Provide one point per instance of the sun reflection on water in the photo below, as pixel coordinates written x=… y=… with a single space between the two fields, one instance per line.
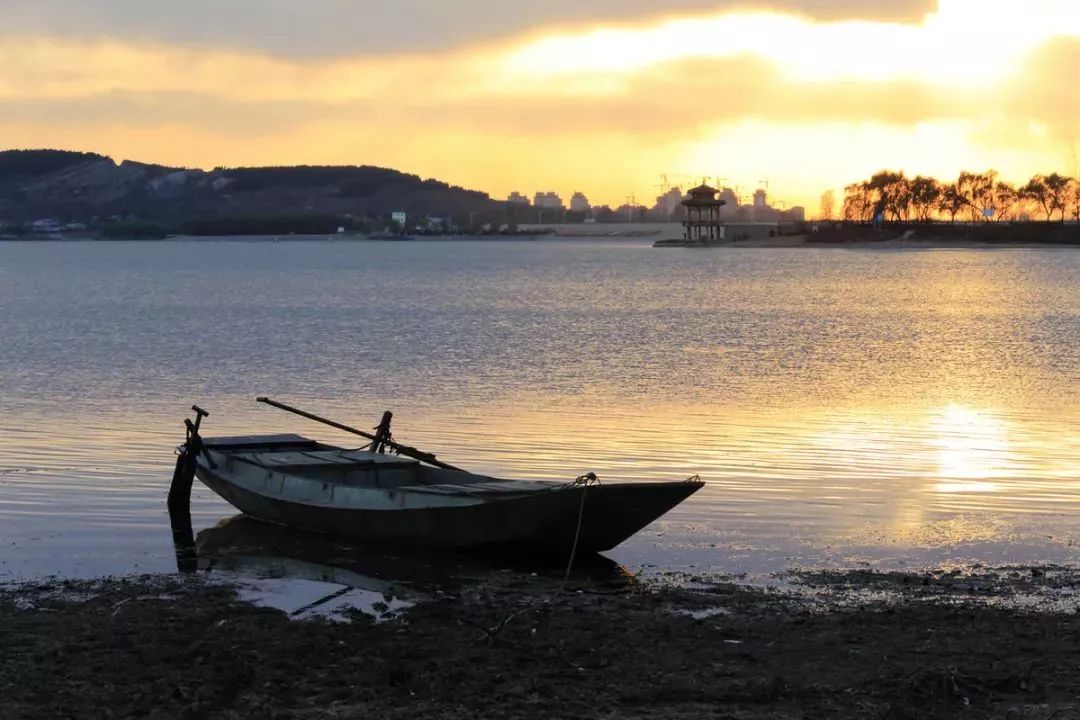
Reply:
x=971 y=445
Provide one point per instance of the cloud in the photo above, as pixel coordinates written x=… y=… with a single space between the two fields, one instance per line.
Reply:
x=1046 y=90
x=322 y=28
x=603 y=109
x=694 y=93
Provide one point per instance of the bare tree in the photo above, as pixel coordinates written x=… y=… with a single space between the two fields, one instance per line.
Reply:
x=828 y=204
x=952 y=201
x=891 y=192
x=1005 y=200
x=925 y=196
x=1058 y=188
x=1037 y=192
x=1074 y=197
x=977 y=195
x=858 y=202
x=977 y=189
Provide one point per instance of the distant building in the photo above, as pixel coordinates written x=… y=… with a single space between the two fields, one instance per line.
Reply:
x=47 y=225
x=579 y=203
x=760 y=199
x=731 y=204
x=795 y=214
x=668 y=203
x=517 y=198
x=548 y=200
x=400 y=218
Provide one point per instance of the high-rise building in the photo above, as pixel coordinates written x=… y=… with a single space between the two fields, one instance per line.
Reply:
x=579 y=203
x=795 y=214
x=548 y=200
x=517 y=199
x=731 y=204
x=668 y=203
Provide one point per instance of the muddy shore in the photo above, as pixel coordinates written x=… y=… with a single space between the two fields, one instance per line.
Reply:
x=525 y=645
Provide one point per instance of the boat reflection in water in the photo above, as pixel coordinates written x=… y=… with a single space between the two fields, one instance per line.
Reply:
x=251 y=548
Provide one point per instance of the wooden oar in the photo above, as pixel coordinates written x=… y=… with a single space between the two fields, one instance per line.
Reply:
x=397 y=447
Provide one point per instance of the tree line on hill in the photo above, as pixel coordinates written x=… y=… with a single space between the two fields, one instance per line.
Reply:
x=92 y=190
x=29 y=163
x=976 y=197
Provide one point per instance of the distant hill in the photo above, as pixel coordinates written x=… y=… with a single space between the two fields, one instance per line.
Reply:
x=21 y=164
x=90 y=188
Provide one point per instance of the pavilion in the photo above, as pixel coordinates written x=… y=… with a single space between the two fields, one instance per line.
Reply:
x=702 y=222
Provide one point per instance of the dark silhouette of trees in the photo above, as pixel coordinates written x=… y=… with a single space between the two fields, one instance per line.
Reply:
x=893 y=194
x=977 y=190
x=1005 y=200
x=925 y=196
x=858 y=205
x=887 y=193
x=1037 y=192
x=952 y=201
x=27 y=163
x=974 y=195
x=1058 y=188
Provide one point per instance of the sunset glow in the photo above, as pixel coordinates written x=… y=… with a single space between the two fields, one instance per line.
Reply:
x=948 y=48
x=603 y=107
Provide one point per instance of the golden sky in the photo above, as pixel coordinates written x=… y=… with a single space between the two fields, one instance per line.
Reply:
x=592 y=95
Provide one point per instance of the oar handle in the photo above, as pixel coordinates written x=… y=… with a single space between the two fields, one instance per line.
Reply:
x=316 y=418
x=401 y=449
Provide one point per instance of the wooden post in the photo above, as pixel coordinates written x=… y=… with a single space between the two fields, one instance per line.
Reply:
x=382 y=433
x=179 y=502
x=180 y=509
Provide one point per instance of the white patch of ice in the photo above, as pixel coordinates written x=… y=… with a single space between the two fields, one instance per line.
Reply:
x=22 y=603
x=309 y=599
x=370 y=603
x=286 y=594
x=706 y=613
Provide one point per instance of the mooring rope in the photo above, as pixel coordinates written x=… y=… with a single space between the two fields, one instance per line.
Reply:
x=584 y=482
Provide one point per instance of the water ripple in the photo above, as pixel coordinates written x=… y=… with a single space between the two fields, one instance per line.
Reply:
x=842 y=406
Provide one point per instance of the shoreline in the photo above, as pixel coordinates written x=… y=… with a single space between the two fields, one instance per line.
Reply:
x=529 y=646
x=784 y=241
x=895 y=244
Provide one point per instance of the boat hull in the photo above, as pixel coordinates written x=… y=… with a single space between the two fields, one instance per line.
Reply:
x=546 y=521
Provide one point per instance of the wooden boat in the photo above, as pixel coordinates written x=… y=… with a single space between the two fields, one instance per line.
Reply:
x=373 y=496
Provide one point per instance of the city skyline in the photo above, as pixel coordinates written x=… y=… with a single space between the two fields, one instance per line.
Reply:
x=738 y=206
x=598 y=96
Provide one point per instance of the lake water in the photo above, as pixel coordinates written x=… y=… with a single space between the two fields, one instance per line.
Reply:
x=845 y=406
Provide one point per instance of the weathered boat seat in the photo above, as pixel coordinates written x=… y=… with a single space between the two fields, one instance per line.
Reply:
x=261 y=442
x=326 y=458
